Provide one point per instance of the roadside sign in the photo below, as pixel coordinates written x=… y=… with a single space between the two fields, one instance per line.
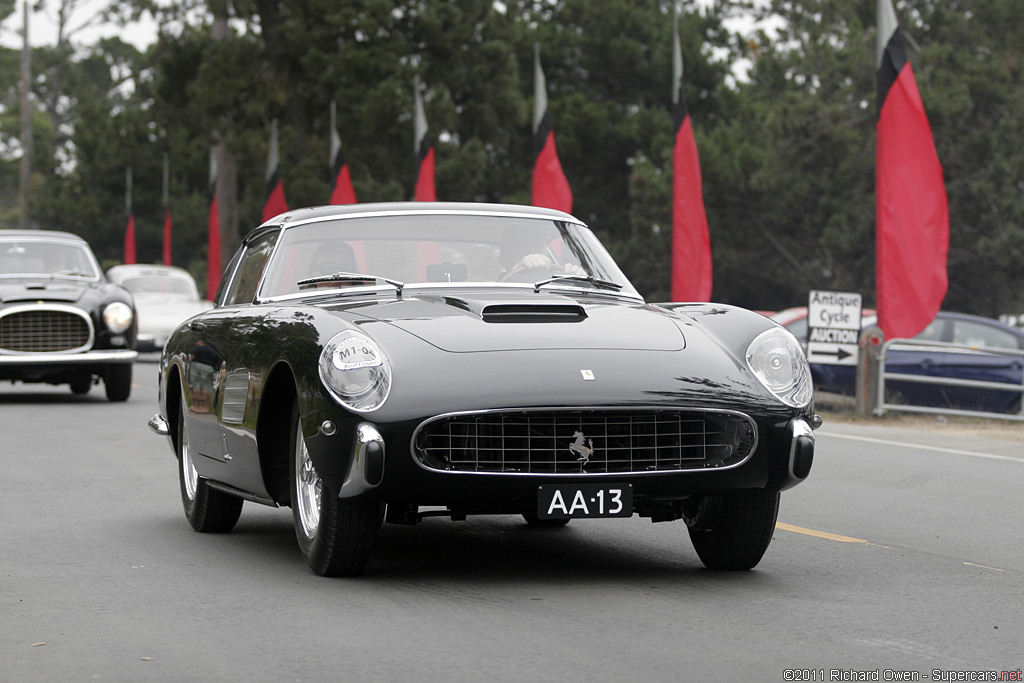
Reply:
x=833 y=327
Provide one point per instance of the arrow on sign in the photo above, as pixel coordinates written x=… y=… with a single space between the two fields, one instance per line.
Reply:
x=840 y=353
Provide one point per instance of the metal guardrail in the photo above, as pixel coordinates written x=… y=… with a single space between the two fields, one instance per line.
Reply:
x=881 y=406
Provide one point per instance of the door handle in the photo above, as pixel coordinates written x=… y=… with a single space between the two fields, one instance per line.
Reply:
x=196 y=326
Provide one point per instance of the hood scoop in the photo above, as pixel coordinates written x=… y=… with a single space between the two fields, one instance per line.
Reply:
x=533 y=313
x=521 y=311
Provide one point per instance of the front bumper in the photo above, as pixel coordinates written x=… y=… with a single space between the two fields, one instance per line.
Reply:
x=95 y=357
x=385 y=465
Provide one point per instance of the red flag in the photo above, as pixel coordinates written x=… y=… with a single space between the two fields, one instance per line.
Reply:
x=911 y=209
x=550 y=187
x=129 y=241
x=275 y=203
x=342 y=191
x=167 y=216
x=691 y=244
x=213 y=235
x=424 y=189
x=129 y=233
x=167 y=236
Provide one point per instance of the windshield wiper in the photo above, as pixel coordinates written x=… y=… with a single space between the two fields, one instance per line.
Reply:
x=70 y=273
x=600 y=284
x=350 y=277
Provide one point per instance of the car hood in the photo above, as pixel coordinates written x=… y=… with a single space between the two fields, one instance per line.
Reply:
x=41 y=289
x=512 y=322
x=484 y=350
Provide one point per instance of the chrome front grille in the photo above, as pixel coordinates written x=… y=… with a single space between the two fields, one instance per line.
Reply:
x=584 y=441
x=44 y=330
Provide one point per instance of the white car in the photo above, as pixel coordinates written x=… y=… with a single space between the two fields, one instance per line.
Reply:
x=164 y=297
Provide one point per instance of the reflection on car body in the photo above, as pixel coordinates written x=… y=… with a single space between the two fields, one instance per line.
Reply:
x=414 y=373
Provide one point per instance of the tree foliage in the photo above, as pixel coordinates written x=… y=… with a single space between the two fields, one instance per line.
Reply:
x=787 y=153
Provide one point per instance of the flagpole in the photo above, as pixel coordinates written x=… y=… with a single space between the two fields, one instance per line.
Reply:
x=166 y=196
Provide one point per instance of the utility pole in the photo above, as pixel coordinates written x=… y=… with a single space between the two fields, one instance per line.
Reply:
x=26 y=126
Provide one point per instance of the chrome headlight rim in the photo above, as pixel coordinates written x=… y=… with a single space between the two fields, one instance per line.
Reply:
x=118 y=317
x=355 y=371
x=778 y=361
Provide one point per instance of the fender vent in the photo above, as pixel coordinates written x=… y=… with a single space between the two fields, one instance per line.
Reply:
x=533 y=313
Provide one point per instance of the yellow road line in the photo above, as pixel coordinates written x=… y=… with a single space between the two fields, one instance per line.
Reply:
x=819 y=534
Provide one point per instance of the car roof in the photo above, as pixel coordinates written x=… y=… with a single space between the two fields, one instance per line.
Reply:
x=315 y=213
x=150 y=269
x=41 y=234
x=953 y=315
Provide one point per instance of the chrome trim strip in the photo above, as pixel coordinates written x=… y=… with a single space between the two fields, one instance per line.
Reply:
x=59 y=308
x=88 y=358
x=734 y=413
x=488 y=213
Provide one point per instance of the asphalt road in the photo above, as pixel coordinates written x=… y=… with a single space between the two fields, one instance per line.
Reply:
x=903 y=552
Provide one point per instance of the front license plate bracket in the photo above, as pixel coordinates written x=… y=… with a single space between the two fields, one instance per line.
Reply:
x=561 y=501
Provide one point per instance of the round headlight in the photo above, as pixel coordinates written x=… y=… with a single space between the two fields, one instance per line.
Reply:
x=778 y=361
x=117 y=317
x=356 y=371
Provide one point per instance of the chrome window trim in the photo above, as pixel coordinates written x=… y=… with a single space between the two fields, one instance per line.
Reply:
x=562 y=475
x=434 y=212
x=287 y=225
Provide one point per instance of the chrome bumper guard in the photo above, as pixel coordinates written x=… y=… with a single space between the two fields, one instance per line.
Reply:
x=367 y=468
x=800 y=453
x=159 y=425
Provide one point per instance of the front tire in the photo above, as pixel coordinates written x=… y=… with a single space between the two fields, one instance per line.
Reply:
x=118 y=382
x=206 y=509
x=733 y=530
x=336 y=536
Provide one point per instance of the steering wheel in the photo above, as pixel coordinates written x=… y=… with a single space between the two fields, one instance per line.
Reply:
x=520 y=269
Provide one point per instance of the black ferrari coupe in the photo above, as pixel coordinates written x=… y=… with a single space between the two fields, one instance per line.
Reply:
x=377 y=363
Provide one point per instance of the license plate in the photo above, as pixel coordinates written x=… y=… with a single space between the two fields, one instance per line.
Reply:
x=558 y=501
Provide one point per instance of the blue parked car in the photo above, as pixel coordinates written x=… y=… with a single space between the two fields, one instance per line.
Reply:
x=973 y=363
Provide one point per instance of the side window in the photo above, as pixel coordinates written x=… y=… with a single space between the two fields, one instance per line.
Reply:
x=242 y=289
x=975 y=334
x=933 y=332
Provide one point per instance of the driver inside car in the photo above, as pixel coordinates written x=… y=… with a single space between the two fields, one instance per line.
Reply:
x=331 y=258
x=523 y=251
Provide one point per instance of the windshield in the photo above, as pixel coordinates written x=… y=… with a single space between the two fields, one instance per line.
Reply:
x=425 y=249
x=43 y=257
x=160 y=285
